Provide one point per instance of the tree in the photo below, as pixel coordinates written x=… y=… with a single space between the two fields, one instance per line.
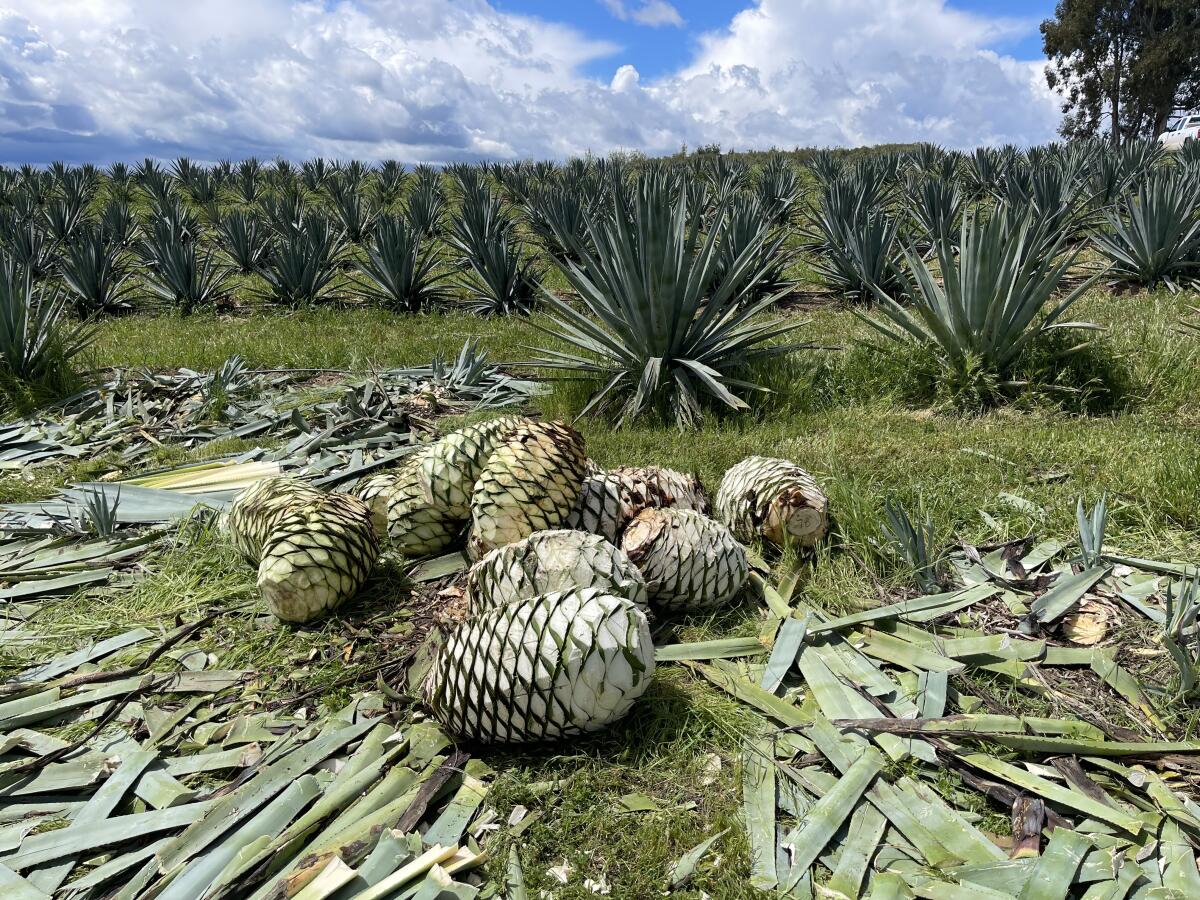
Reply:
x=1132 y=63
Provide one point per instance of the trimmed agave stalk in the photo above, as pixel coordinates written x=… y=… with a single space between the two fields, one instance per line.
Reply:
x=317 y=557
x=530 y=483
x=608 y=501
x=449 y=470
x=254 y=512
x=549 y=561
x=541 y=668
x=415 y=526
x=690 y=562
x=773 y=499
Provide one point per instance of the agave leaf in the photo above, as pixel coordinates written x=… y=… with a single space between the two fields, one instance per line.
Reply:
x=783 y=654
x=759 y=801
x=71 y=661
x=732 y=683
x=684 y=868
x=514 y=880
x=827 y=814
x=1053 y=792
x=719 y=648
x=1065 y=594
x=917 y=609
x=1054 y=873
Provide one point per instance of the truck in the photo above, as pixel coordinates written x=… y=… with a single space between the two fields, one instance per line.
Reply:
x=1180 y=130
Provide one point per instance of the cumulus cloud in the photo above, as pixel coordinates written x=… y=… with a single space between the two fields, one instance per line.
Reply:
x=654 y=13
x=441 y=81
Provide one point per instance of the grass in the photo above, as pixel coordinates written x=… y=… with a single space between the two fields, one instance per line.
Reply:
x=865 y=423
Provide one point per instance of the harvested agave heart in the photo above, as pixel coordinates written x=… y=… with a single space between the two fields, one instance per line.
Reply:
x=608 y=501
x=373 y=491
x=255 y=511
x=529 y=484
x=415 y=526
x=541 y=668
x=317 y=557
x=773 y=499
x=552 y=561
x=449 y=470
x=690 y=562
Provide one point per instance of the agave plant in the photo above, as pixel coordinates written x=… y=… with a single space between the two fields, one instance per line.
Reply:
x=935 y=206
x=1180 y=633
x=743 y=224
x=244 y=239
x=64 y=218
x=356 y=217
x=915 y=542
x=117 y=223
x=176 y=217
x=246 y=180
x=557 y=215
x=983 y=171
x=1091 y=531
x=388 y=182
x=28 y=247
x=1154 y=237
x=854 y=244
x=401 y=268
x=655 y=335
x=778 y=190
x=181 y=274
x=97 y=275
x=202 y=186
x=425 y=208
x=314 y=173
x=499 y=277
x=37 y=337
x=301 y=267
x=990 y=303
x=284 y=213
x=158 y=185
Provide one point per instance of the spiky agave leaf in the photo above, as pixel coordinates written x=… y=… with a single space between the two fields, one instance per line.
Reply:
x=773 y=499
x=542 y=668
x=317 y=557
x=453 y=464
x=255 y=511
x=988 y=305
x=37 y=337
x=529 y=484
x=556 y=560
x=652 y=332
x=1154 y=237
x=690 y=562
x=416 y=526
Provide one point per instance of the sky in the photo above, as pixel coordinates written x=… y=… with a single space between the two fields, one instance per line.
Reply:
x=448 y=80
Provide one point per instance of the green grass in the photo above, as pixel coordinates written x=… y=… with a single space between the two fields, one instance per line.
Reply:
x=865 y=423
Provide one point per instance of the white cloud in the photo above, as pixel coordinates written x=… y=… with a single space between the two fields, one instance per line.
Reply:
x=441 y=81
x=654 y=13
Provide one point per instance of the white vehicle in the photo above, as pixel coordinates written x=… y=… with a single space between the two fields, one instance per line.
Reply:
x=1179 y=130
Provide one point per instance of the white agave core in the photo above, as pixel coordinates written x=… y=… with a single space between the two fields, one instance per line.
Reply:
x=559 y=664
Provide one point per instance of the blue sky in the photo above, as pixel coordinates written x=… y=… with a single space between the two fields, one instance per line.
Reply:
x=446 y=80
x=656 y=51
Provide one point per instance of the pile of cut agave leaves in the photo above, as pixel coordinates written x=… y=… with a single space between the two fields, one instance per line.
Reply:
x=133 y=767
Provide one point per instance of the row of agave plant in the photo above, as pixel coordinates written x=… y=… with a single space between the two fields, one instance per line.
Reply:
x=407 y=241
x=673 y=261
x=1137 y=207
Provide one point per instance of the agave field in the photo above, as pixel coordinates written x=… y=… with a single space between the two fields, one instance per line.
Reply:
x=819 y=524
